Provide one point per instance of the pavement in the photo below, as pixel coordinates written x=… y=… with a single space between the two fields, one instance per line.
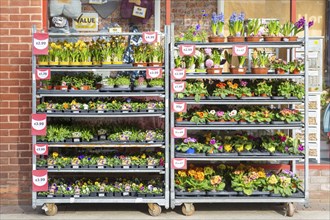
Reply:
x=140 y=211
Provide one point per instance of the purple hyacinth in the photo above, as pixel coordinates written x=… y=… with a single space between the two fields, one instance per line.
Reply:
x=301 y=147
x=221 y=17
x=310 y=24
x=204 y=14
x=212 y=141
x=209 y=63
x=215 y=18
x=300 y=23
x=243 y=83
x=233 y=18
x=241 y=17
x=208 y=51
x=198 y=27
x=81 y=157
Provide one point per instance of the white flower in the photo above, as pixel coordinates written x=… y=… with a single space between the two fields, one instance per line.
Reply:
x=232 y=113
x=212 y=112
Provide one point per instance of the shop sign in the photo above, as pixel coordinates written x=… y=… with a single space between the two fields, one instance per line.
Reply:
x=40 y=149
x=40 y=44
x=179 y=163
x=149 y=37
x=179 y=107
x=39 y=124
x=42 y=74
x=178 y=87
x=153 y=73
x=179 y=132
x=39 y=180
x=179 y=74
x=86 y=22
x=187 y=50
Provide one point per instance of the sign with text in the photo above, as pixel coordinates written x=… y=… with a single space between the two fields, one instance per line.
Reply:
x=39 y=180
x=115 y=30
x=187 y=50
x=86 y=22
x=240 y=50
x=178 y=74
x=42 y=74
x=149 y=37
x=139 y=11
x=179 y=132
x=153 y=73
x=40 y=44
x=40 y=149
x=97 y=2
x=178 y=87
x=179 y=107
x=179 y=163
x=39 y=124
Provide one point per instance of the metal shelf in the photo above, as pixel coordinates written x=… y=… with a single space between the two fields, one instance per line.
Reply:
x=243 y=76
x=59 y=93
x=251 y=45
x=105 y=115
x=96 y=170
x=240 y=102
x=102 y=144
x=92 y=34
x=95 y=68
x=239 y=127
x=160 y=201
x=245 y=158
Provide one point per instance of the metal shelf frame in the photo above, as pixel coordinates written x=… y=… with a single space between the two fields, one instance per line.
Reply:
x=176 y=201
x=160 y=171
x=163 y=201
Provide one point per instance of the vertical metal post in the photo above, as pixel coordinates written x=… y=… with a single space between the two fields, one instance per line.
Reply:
x=306 y=127
x=157 y=15
x=172 y=144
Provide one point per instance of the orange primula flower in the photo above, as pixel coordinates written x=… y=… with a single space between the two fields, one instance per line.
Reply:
x=216 y=180
x=200 y=176
x=221 y=85
x=192 y=172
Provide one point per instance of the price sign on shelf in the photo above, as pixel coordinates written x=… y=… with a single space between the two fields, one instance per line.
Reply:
x=178 y=86
x=40 y=43
x=39 y=180
x=153 y=73
x=240 y=50
x=149 y=37
x=179 y=132
x=179 y=163
x=187 y=50
x=42 y=74
x=38 y=124
x=179 y=107
x=40 y=149
x=178 y=74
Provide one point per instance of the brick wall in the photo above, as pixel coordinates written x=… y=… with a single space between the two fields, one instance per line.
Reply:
x=16 y=20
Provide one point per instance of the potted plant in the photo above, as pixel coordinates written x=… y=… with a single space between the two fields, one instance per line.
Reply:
x=199 y=117
x=280 y=66
x=296 y=66
x=236 y=28
x=140 y=83
x=287 y=30
x=285 y=89
x=43 y=60
x=156 y=54
x=260 y=61
x=189 y=63
x=85 y=54
x=96 y=50
x=65 y=53
x=199 y=61
x=108 y=82
x=298 y=90
x=253 y=30
x=217 y=26
x=263 y=89
x=119 y=45
x=243 y=90
x=123 y=82
x=156 y=83
x=140 y=55
x=213 y=62
x=274 y=28
x=298 y=27
x=75 y=53
x=106 y=52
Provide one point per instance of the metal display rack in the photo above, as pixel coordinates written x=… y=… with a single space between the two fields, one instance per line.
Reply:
x=187 y=201
x=154 y=203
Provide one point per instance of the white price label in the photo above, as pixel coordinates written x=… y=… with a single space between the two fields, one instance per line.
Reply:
x=153 y=73
x=187 y=50
x=178 y=86
x=240 y=50
x=40 y=180
x=179 y=74
x=39 y=125
x=179 y=107
x=179 y=132
x=41 y=149
x=149 y=37
x=179 y=163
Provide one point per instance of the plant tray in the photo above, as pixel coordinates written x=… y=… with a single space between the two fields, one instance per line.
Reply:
x=83 y=91
x=255 y=98
x=229 y=97
x=279 y=154
x=292 y=98
x=222 y=123
x=294 y=123
x=190 y=194
x=187 y=123
x=177 y=154
x=232 y=154
x=214 y=97
x=125 y=65
x=278 y=97
x=148 y=89
x=253 y=153
x=277 y=122
x=243 y=122
x=192 y=98
x=255 y=193
x=115 y=90
x=222 y=193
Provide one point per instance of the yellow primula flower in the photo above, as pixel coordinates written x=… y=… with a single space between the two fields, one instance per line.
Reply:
x=101 y=157
x=143 y=156
x=55 y=154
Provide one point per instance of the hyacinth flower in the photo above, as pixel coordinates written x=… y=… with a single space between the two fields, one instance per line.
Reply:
x=299 y=26
x=236 y=24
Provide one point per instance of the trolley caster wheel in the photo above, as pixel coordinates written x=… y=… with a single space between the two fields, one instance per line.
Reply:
x=289 y=209
x=154 y=209
x=188 y=209
x=50 y=209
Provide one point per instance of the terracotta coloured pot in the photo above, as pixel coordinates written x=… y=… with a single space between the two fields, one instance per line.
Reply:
x=234 y=70
x=216 y=39
x=279 y=71
x=253 y=38
x=140 y=64
x=272 y=38
x=259 y=70
x=290 y=38
x=236 y=39
x=214 y=70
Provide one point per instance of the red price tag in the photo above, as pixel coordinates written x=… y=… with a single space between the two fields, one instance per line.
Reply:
x=42 y=74
x=40 y=43
x=153 y=73
x=240 y=50
x=149 y=37
x=39 y=180
x=179 y=74
x=179 y=107
x=179 y=132
x=40 y=149
x=39 y=124
x=179 y=163
x=187 y=50
x=178 y=87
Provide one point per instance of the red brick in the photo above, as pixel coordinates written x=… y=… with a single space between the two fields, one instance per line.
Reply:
x=19 y=161
x=4 y=161
x=25 y=104
x=3 y=47
x=20 y=31
x=25 y=125
x=25 y=83
x=26 y=53
x=4 y=76
x=4 y=61
x=20 y=90
x=8 y=83
x=19 y=132
x=11 y=125
x=8 y=154
x=25 y=140
x=4 y=104
x=9 y=96
x=4 y=31
x=9 y=54
x=26 y=39
x=18 y=118
x=19 y=147
x=29 y=24
x=4 y=17
x=36 y=3
x=20 y=17
x=20 y=3
x=3 y=175
x=26 y=68
x=36 y=18
x=9 y=10
x=8 y=25
x=3 y=118
x=9 y=68
x=20 y=61
x=4 y=133
x=9 y=39
x=30 y=10
x=25 y=97
x=20 y=47
x=20 y=75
